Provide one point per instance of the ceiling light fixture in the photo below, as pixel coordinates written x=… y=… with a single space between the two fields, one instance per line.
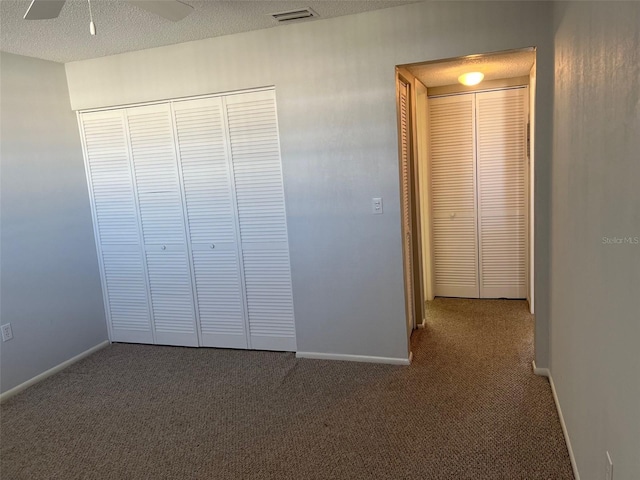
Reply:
x=471 y=78
x=92 y=26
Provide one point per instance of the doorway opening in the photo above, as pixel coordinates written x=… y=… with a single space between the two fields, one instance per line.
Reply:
x=467 y=169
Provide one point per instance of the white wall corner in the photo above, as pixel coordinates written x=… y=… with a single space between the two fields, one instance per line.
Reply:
x=52 y=371
x=543 y=372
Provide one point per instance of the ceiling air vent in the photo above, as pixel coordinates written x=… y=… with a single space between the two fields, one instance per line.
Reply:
x=294 y=15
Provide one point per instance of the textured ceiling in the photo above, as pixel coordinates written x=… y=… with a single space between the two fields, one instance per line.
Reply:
x=494 y=66
x=122 y=27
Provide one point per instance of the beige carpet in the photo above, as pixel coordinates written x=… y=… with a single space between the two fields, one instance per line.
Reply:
x=468 y=408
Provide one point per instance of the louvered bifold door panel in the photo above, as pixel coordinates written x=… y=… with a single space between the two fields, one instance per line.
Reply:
x=453 y=196
x=120 y=248
x=255 y=151
x=406 y=202
x=157 y=183
x=212 y=227
x=501 y=146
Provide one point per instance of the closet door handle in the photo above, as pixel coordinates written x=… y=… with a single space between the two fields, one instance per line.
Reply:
x=212 y=246
x=163 y=247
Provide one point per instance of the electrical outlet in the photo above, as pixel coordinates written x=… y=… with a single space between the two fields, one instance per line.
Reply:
x=609 y=468
x=7 y=334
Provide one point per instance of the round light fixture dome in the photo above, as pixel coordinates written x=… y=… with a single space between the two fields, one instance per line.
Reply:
x=471 y=78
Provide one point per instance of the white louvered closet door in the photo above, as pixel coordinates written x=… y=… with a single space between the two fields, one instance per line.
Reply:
x=501 y=150
x=255 y=152
x=212 y=226
x=405 y=169
x=151 y=139
x=453 y=196
x=120 y=249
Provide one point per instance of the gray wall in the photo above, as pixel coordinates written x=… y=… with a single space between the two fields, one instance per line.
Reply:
x=595 y=301
x=335 y=89
x=50 y=284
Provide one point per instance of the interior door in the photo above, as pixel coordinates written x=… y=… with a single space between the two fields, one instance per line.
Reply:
x=213 y=230
x=257 y=174
x=159 y=196
x=118 y=237
x=406 y=192
x=453 y=196
x=502 y=164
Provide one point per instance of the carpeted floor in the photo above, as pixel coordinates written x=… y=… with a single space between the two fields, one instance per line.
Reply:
x=468 y=407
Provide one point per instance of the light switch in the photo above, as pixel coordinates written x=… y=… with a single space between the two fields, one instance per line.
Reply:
x=376 y=205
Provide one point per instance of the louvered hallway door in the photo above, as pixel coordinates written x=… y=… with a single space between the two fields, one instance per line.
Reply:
x=116 y=225
x=453 y=196
x=478 y=188
x=257 y=174
x=501 y=150
x=157 y=183
x=405 y=168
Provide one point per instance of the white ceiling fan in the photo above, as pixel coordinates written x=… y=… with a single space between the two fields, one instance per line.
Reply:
x=170 y=9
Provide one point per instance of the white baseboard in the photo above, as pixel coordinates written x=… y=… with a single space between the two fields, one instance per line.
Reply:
x=576 y=474
x=353 y=358
x=38 y=378
x=544 y=372
x=423 y=324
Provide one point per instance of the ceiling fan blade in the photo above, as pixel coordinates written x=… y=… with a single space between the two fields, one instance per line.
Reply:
x=169 y=9
x=43 y=9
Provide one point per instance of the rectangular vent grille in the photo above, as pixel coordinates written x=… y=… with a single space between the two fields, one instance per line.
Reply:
x=294 y=15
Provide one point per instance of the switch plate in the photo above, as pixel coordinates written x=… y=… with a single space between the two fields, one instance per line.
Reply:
x=376 y=205
x=609 y=475
x=7 y=334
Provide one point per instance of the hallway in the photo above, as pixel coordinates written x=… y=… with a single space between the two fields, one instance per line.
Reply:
x=475 y=358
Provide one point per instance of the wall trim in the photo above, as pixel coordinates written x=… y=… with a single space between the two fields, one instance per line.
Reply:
x=574 y=465
x=52 y=371
x=487 y=85
x=177 y=99
x=353 y=358
x=423 y=324
x=544 y=372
